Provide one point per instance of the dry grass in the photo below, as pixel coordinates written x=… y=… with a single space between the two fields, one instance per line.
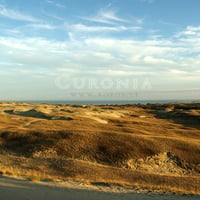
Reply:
x=86 y=150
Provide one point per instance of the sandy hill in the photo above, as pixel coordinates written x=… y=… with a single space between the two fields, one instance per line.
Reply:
x=140 y=146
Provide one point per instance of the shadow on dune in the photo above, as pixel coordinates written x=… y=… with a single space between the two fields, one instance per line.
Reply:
x=35 y=114
x=180 y=114
x=30 y=113
x=185 y=119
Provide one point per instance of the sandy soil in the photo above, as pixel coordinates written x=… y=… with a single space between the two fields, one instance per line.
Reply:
x=154 y=146
x=14 y=189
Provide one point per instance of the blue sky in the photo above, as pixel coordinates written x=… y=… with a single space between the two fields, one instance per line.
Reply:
x=99 y=49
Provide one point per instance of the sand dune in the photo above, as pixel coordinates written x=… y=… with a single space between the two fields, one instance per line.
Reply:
x=29 y=113
x=36 y=114
x=137 y=146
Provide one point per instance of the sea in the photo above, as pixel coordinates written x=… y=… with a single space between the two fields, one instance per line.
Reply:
x=103 y=102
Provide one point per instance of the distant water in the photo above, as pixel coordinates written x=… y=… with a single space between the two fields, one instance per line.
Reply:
x=105 y=102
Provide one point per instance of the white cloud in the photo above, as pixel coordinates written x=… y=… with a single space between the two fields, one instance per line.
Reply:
x=148 y=1
x=140 y=20
x=177 y=72
x=105 y=16
x=104 y=56
x=42 y=26
x=120 y=73
x=51 y=15
x=158 y=61
x=59 y=5
x=16 y=15
x=14 y=44
x=49 y=1
x=167 y=23
x=84 y=28
x=190 y=31
x=55 y=3
x=110 y=15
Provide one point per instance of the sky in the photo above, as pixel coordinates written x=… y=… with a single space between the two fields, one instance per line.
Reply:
x=99 y=49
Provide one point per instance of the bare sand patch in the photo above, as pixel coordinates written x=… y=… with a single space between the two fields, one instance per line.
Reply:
x=163 y=163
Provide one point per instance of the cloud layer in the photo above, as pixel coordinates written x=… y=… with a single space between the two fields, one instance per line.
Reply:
x=101 y=45
x=15 y=15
